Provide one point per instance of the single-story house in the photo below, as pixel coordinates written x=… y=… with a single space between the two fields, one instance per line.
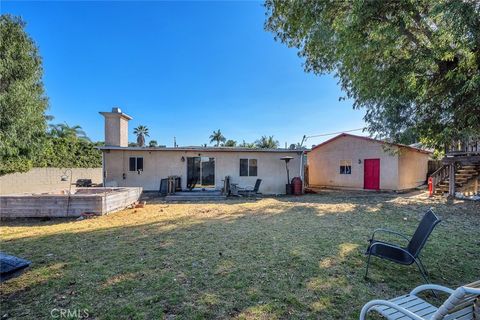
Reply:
x=206 y=166
x=355 y=162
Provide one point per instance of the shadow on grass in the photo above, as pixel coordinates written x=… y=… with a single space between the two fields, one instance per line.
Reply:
x=291 y=258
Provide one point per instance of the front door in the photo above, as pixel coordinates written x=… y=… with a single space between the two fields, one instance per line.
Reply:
x=200 y=172
x=371 y=176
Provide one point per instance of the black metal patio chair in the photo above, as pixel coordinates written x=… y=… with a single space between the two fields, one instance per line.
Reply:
x=404 y=255
x=249 y=191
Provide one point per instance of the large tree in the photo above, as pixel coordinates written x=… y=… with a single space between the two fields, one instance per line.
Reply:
x=413 y=64
x=22 y=98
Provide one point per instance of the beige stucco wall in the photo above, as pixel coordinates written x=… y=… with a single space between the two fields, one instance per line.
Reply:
x=324 y=163
x=116 y=129
x=160 y=164
x=412 y=168
x=40 y=180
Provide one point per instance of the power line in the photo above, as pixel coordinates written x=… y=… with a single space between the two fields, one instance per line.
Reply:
x=305 y=137
x=330 y=134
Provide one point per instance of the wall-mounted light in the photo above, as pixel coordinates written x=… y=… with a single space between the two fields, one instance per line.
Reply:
x=359 y=161
x=182 y=159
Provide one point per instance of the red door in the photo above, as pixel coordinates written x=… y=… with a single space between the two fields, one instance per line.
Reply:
x=371 y=177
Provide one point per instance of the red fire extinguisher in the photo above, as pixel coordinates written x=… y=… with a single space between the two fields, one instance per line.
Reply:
x=430 y=186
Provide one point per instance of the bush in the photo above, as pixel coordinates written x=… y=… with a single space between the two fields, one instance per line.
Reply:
x=69 y=153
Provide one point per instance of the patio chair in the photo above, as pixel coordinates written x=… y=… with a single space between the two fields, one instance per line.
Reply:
x=249 y=191
x=404 y=255
x=462 y=303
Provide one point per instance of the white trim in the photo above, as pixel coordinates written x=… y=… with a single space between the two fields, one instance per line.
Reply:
x=248 y=167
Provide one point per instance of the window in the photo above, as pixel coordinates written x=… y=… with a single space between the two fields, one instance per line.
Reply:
x=243 y=167
x=136 y=164
x=139 y=164
x=345 y=166
x=252 y=167
x=248 y=167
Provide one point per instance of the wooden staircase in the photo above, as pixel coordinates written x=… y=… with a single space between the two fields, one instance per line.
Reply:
x=464 y=174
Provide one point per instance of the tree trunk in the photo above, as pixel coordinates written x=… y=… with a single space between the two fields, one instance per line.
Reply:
x=141 y=140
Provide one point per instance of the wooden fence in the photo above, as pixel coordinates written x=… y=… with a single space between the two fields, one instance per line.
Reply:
x=433 y=165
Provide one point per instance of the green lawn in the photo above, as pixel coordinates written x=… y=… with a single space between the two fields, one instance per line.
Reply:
x=274 y=258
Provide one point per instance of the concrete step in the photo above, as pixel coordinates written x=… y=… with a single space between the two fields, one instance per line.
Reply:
x=196 y=196
x=207 y=193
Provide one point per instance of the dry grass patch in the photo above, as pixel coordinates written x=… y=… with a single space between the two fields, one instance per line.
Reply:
x=274 y=258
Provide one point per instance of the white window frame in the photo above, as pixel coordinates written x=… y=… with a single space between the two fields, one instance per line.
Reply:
x=345 y=163
x=248 y=167
x=136 y=164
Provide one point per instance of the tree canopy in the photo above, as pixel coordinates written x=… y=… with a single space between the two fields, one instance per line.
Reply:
x=266 y=143
x=230 y=143
x=414 y=65
x=63 y=130
x=247 y=144
x=69 y=152
x=22 y=98
x=153 y=143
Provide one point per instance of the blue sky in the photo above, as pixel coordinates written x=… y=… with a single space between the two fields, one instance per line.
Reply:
x=183 y=69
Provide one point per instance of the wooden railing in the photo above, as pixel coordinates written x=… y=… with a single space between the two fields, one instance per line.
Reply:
x=469 y=146
x=438 y=176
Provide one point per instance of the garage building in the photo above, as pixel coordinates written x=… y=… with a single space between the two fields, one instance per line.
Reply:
x=355 y=162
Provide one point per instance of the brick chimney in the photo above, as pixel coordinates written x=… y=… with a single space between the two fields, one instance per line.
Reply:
x=116 y=128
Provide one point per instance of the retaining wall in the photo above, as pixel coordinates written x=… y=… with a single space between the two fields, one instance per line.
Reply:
x=41 y=180
x=92 y=200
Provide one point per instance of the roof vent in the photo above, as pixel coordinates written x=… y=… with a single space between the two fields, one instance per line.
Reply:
x=116 y=110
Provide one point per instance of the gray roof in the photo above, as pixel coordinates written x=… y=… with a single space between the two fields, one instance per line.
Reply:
x=200 y=149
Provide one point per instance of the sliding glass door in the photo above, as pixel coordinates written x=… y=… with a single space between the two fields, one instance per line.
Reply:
x=200 y=172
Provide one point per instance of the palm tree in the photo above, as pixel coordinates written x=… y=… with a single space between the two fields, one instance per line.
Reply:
x=141 y=132
x=63 y=130
x=217 y=137
x=267 y=143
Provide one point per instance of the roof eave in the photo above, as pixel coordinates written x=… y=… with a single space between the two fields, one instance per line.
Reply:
x=372 y=140
x=200 y=149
